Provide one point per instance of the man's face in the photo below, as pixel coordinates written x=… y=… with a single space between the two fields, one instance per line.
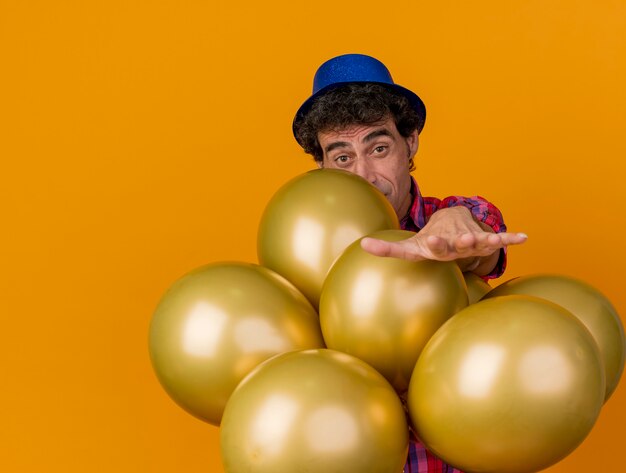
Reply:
x=377 y=153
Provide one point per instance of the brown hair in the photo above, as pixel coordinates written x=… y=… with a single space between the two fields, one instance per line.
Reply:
x=353 y=104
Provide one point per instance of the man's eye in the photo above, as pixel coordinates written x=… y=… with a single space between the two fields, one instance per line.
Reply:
x=342 y=159
x=380 y=149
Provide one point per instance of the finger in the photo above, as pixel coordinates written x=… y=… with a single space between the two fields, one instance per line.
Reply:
x=476 y=244
x=405 y=249
x=509 y=239
x=494 y=240
x=489 y=242
x=375 y=246
x=515 y=238
x=465 y=242
x=438 y=247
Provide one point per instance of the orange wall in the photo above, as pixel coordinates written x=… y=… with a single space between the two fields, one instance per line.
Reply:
x=141 y=139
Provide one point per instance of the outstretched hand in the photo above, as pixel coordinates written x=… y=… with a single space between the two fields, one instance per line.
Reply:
x=450 y=234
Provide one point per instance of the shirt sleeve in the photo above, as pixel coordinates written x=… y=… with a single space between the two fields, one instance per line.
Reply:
x=486 y=212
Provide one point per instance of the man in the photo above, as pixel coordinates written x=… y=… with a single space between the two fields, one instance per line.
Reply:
x=359 y=120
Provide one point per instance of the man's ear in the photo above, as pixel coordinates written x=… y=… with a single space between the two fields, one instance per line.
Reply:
x=413 y=142
x=320 y=164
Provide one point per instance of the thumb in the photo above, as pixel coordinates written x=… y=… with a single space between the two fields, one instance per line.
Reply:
x=405 y=249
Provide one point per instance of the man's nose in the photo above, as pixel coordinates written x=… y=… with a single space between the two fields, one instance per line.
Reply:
x=364 y=169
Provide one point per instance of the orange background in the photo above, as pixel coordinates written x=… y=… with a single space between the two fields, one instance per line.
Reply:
x=141 y=139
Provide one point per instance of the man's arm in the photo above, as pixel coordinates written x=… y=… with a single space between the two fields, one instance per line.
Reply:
x=451 y=234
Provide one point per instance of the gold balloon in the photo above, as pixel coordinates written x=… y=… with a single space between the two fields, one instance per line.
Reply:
x=508 y=385
x=217 y=323
x=312 y=219
x=314 y=411
x=590 y=306
x=384 y=310
x=476 y=287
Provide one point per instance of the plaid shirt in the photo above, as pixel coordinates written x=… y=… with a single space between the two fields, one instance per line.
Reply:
x=421 y=460
x=422 y=209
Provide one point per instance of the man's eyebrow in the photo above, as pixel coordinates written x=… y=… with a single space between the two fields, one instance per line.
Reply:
x=335 y=145
x=371 y=136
